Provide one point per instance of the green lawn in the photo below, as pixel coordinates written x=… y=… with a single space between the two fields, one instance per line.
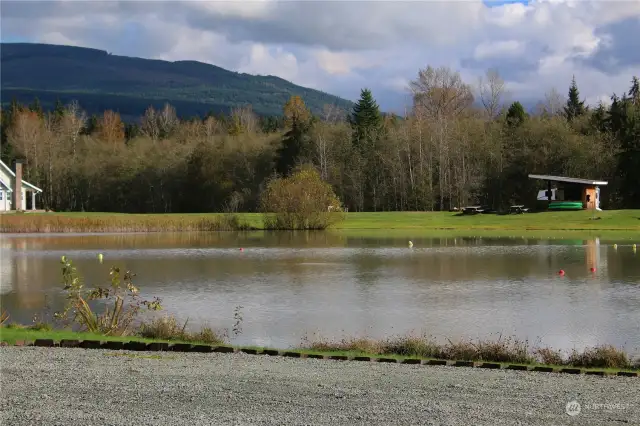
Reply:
x=11 y=335
x=569 y=220
x=612 y=220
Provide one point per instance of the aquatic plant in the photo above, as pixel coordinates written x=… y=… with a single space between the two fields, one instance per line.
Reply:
x=37 y=223
x=500 y=350
x=121 y=302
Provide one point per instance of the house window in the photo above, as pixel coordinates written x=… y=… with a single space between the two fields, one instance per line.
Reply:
x=1 y=195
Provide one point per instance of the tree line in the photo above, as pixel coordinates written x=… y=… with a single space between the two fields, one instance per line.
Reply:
x=445 y=152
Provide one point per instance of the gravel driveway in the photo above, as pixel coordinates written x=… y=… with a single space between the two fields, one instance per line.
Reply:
x=43 y=386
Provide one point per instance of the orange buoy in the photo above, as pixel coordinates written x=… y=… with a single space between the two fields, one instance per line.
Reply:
x=561 y=272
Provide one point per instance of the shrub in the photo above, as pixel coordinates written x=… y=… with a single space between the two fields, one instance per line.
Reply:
x=549 y=356
x=348 y=345
x=412 y=346
x=301 y=201
x=165 y=328
x=605 y=356
x=205 y=335
x=168 y=328
x=41 y=326
x=122 y=303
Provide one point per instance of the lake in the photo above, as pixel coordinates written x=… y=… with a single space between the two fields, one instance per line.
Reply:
x=293 y=285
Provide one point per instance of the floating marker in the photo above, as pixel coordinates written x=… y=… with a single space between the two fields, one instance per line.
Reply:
x=615 y=246
x=561 y=272
x=592 y=269
x=633 y=246
x=410 y=244
x=100 y=257
x=241 y=249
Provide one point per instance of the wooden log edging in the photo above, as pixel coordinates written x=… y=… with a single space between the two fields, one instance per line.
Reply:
x=187 y=347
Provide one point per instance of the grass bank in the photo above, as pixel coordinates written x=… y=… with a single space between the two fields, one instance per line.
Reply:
x=612 y=220
x=102 y=222
x=505 y=350
x=604 y=359
x=13 y=333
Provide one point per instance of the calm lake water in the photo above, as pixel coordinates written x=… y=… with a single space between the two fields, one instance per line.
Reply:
x=332 y=285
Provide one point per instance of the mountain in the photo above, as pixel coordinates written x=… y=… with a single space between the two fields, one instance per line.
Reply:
x=101 y=81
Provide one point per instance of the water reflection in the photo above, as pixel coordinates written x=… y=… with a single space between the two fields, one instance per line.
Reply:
x=295 y=284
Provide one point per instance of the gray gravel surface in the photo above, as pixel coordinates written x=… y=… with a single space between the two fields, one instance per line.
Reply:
x=44 y=386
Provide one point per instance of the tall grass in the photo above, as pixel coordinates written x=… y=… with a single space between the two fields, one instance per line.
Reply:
x=55 y=223
x=4 y=317
x=168 y=328
x=499 y=350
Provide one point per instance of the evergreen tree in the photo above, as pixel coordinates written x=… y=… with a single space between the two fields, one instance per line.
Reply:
x=296 y=141
x=58 y=111
x=575 y=107
x=366 y=121
x=625 y=126
x=131 y=130
x=91 y=126
x=270 y=124
x=634 y=92
x=600 y=119
x=36 y=107
x=516 y=115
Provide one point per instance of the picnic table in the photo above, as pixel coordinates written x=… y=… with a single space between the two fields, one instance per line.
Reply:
x=472 y=210
x=518 y=209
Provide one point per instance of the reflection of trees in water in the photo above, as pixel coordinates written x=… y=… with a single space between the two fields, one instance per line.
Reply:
x=157 y=240
x=22 y=276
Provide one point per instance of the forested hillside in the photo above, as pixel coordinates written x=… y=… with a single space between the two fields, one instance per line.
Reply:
x=100 y=81
x=446 y=153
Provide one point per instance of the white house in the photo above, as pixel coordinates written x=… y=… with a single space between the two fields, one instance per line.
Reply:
x=10 y=186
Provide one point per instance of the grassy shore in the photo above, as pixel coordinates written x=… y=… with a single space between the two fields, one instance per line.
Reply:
x=613 y=220
x=605 y=358
x=115 y=222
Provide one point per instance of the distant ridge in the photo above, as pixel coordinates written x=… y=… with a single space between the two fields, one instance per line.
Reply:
x=99 y=80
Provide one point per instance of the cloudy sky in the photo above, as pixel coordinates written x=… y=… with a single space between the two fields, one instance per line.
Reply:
x=341 y=46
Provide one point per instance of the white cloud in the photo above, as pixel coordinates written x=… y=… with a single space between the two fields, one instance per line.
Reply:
x=498 y=49
x=277 y=62
x=341 y=46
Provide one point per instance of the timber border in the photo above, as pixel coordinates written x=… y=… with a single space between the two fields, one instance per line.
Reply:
x=196 y=348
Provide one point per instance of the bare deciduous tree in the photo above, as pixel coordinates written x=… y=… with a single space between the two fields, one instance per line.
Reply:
x=111 y=128
x=149 y=125
x=25 y=134
x=441 y=92
x=245 y=119
x=332 y=113
x=553 y=103
x=167 y=120
x=211 y=127
x=492 y=90
x=72 y=123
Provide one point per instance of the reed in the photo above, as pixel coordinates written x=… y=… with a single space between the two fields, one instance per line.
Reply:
x=501 y=350
x=168 y=328
x=55 y=223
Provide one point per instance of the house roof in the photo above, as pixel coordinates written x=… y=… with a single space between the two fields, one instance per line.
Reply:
x=24 y=182
x=5 y=185
x=569 y=180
